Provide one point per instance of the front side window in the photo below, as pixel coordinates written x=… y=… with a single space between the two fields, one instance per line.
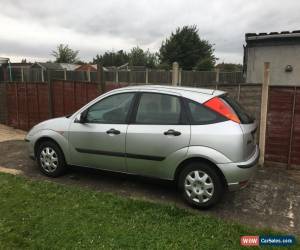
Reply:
x=113 y=109
x=158 y=109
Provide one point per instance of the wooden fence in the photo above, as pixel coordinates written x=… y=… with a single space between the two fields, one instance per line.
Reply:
x=29 y=103
x=148 y=76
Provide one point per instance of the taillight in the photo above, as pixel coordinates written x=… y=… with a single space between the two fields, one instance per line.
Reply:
x=223 y=108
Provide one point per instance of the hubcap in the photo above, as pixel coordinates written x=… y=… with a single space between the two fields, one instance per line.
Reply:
x=49 y=159
x=198 y=186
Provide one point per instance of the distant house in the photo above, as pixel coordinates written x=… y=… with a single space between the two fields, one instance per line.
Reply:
x=55 y=66
x=14 y=71
x=282 y=50
x=87 y=67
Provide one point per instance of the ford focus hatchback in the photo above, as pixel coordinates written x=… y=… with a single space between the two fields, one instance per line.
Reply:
x=202 y=139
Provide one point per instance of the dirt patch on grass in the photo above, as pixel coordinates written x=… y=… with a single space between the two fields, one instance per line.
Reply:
x=8 y=133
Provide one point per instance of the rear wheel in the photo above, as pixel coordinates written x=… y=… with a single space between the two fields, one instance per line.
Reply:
x=50 y=159
x=200 y=185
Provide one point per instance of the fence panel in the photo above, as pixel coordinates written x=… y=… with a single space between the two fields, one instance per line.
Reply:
x=295 y=143
x=163 y=77
x=3 y=103
x=12 y=105
x=197 y=78
x=279 y=120
x=27 y=104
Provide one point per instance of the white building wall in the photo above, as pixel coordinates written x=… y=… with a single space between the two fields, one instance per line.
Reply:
x=279 y=57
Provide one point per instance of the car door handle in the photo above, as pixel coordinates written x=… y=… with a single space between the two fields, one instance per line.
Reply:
x=172 y=132
x=113 y=131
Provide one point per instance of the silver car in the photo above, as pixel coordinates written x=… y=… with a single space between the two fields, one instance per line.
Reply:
x=200 y=138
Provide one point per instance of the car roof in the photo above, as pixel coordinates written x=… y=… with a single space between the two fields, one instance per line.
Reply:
x=197 y=94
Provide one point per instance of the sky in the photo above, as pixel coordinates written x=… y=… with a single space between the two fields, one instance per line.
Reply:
x=31 y=29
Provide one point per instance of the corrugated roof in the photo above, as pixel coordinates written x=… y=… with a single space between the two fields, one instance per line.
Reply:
x=263 y=35
x=273 y=38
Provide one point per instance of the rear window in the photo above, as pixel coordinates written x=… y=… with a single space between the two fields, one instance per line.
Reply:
x=245 y=118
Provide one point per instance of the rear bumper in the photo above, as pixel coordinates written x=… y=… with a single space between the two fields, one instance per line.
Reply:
x=238 y=174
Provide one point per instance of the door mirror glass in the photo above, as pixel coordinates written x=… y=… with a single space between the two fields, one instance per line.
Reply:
x=81 y=118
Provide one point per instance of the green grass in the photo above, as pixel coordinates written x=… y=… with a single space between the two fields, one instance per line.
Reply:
x=36 y=214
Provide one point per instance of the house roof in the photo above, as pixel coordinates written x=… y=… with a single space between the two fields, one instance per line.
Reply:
x=53 y=66
x=69 y=66
x=273 y=38
x=56 y=66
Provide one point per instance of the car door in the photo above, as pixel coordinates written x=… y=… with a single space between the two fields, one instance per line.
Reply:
x=99 y=141
x=158 y=130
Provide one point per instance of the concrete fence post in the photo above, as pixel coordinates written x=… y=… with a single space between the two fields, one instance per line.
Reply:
x=217 y=75
x=175 y=69
x=65 y=74
x=147 y=76
x=22 y=74
x=117 y=75
x=264 y=112
x=179 y=76
x=89 y=75
x=101 y=80
x=42 y=75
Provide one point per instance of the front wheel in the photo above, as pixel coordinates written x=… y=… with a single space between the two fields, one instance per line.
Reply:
x=200 y=185
x=50 y=159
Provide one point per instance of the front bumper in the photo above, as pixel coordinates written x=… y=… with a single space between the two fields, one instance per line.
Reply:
x=238 y=174
x=30 y=147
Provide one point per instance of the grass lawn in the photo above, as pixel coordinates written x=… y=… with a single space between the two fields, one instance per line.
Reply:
x=36 y=214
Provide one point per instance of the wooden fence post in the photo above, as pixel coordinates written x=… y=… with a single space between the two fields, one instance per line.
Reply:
x=175 y=68
x=264 y=112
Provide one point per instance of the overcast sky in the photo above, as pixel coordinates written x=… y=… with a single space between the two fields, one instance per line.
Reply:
x=31 y=29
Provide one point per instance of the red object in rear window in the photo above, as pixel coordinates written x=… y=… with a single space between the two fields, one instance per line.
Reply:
x=221 y=107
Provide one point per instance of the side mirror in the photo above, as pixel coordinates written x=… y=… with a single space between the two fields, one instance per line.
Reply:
x=81 y=118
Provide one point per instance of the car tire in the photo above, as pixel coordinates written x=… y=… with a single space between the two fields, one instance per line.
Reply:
x=51 y=159
x=200 y=185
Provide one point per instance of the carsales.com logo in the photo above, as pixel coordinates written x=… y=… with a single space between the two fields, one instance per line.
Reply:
x=285 y=240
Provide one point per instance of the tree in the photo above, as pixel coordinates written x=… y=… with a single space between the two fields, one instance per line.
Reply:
x=185 y=47
x=139 y=57
x=64 y=54
x=111 y=58
x=229 y=67
x=136 y=57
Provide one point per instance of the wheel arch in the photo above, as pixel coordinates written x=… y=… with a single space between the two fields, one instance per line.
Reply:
x=44 y=139
x=185 y=162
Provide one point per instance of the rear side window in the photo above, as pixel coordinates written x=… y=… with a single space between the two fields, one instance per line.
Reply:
x=158 y=109
x=245 y=118
x=202 y=115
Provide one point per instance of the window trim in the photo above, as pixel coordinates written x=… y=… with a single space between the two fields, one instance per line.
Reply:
x=190 y=116
x=129 y=111
x=183 y=116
